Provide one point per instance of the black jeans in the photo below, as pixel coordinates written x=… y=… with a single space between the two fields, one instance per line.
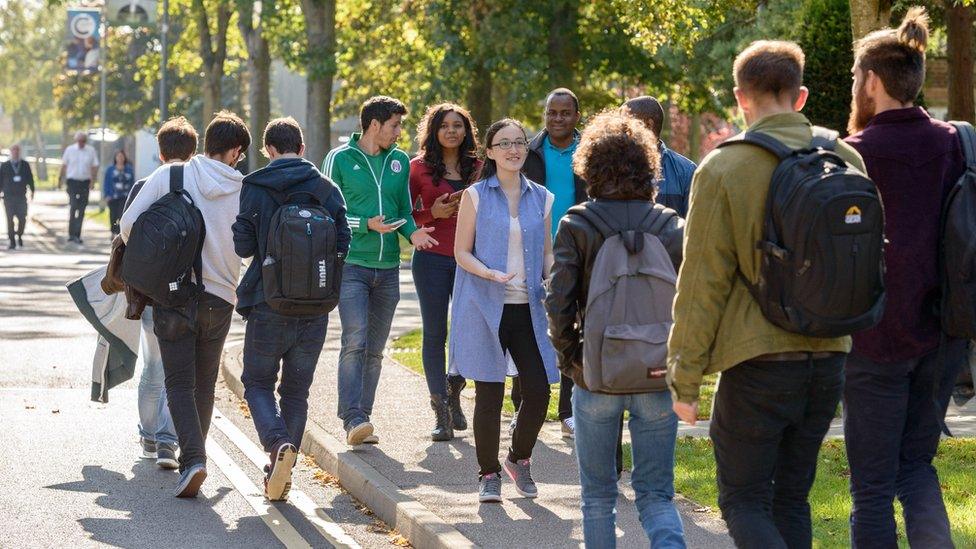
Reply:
x=115 y=207
x=768 y=423
x=517 y=337
x=191 y=362
x=77 y=202
x=433 y=276
x=892 y=427
x=15 y=208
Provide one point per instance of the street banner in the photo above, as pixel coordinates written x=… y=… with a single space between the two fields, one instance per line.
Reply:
x=83 y=40
x=132 y=13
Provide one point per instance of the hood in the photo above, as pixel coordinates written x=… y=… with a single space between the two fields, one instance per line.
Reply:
x=213 y=178
x=284 y=173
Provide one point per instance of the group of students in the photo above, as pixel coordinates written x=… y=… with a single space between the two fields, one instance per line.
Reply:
x=518 y=241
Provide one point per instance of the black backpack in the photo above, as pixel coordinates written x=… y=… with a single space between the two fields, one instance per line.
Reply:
x=301 y=271
x=822 y=266
x=164 y=247
x=958 y=253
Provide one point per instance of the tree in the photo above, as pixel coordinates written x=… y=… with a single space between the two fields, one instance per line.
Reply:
x=959 y=33
x=212 y=49
x=320 y=63
x=250 y=20
x=869 y=15
x=824 y=34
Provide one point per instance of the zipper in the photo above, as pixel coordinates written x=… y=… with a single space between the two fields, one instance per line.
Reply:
x=854 y=250
x=308 y=231
x=379 y=186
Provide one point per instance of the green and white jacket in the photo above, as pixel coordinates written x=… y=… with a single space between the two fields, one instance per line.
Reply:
x=372 y=185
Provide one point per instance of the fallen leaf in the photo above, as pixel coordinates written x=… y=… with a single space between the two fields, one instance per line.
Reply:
x=703 y=509
x=55 y=411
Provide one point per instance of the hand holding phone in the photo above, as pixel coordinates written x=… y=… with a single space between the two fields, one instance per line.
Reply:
x=395 y=224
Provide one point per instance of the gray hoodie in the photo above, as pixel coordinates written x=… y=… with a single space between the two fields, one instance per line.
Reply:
x=215 y=188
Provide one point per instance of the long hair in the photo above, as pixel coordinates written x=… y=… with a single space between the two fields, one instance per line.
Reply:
x=430 y=148
x=125 y=157
x=488 y=166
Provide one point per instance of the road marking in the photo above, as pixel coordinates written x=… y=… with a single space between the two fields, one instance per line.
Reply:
x=277 y=523
x=329 y=530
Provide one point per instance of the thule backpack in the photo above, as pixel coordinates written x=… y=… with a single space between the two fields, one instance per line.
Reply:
x=822 y=249
x=958 y=253
x=164 y=247
x=301 y=271
x=628 y=306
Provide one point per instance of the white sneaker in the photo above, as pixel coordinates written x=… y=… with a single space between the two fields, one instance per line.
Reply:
x=358 y=434
x=569 y=428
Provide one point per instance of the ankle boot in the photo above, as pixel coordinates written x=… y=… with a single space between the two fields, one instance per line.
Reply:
x=457 y=414
x=443 y=431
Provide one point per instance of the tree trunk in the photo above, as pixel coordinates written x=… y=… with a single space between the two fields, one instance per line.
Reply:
x=694 y=138
x=259 y=81
x=320 y=32
x=869 y=15
x=959 y=49
x=479 y=96
x=213 y=52
x=563 y=43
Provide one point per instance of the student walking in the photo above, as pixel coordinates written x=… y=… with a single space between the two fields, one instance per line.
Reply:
x=79 y=168
x=891 y=422
x=497 y=306
x=191 y=337
x=620 y=231
x=275 y=338
x=373 y=175
x=16 y=178
x=445 y=165
x=779 y=389
x=119 y=180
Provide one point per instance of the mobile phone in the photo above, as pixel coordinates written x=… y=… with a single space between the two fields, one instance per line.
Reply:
x=396 y=223
x=454 y=197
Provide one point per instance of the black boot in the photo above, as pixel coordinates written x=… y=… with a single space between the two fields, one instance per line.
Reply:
x=20 y=241
x=457 y=414
x=443 y=430
x=13 y=244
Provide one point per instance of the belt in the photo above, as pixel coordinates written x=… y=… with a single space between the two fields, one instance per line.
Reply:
x=793 y=356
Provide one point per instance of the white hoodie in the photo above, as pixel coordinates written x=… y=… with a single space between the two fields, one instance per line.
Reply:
x=215 y=188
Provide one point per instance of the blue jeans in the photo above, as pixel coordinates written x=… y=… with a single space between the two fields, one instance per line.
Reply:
x=653 y=428
x=272 y=340
x=433 y=276
x=155 y=421
x=367 y=302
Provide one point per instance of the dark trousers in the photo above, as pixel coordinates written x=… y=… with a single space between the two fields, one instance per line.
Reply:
x=15 y=209
x=191 y=362
x=892 y=426
x=77 y=202
x=768 y=423
x=518 y=338
x=565 y=397
x=433 y=276
x=115 y=207
x=292 y=344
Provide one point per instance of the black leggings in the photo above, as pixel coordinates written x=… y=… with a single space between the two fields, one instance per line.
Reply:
x=516 y=336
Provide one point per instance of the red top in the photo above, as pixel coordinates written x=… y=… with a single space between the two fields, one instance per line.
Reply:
x=423 y=192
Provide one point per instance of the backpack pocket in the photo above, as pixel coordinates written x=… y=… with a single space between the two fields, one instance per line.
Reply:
x=634 y=357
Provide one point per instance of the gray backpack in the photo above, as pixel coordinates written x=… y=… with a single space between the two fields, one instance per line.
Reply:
x=628 y=309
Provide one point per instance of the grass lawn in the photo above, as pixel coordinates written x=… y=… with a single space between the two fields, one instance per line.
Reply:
x=99 y=216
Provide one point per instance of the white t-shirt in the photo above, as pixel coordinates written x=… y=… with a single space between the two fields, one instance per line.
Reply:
x=79 y=161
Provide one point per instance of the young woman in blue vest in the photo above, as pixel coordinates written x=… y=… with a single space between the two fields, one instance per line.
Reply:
x=504 y=255
x=119 y=180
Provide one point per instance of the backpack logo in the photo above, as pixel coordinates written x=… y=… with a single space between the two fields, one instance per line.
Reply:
x=853 y=216
x=396 y=166
x=305 y=214
x=323 y=277
x=173 y=286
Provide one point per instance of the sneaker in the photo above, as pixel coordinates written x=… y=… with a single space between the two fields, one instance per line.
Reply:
x=371 y=439
x=490 y=488
x=358 y=434
x=278 y=482
x=148 y=448
x=166 y=456
x=190 y=481
x=520 y=472
x=569 y=428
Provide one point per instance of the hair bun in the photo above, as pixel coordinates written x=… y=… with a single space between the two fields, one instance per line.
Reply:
x=914 y=29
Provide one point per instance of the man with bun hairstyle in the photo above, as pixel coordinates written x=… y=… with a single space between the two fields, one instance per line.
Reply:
x=891 y=420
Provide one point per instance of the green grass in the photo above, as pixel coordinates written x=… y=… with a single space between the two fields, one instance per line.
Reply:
x=406 y=249
x=99 y=216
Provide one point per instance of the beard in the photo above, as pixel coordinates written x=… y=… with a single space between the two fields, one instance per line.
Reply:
x=862 y=111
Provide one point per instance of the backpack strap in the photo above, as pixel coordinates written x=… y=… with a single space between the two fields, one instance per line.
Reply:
x=824 y=139
x=967 y=137
x=761 y=140
x=176 y=178
x=176 y=186
x=594 y=219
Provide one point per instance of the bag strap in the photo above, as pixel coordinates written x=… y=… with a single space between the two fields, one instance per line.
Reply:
x=967 y=136
x=176 y=178
x=762 y=140
x=596 y=220
x=824 y=139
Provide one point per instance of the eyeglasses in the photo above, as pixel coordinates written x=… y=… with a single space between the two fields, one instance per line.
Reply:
x=505 y=144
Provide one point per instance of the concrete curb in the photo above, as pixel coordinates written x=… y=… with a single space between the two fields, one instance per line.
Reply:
x=412 y=520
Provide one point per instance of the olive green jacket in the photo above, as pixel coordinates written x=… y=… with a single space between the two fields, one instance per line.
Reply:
x=717 y=323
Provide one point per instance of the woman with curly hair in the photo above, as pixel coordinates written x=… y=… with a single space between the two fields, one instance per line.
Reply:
x=445 y=165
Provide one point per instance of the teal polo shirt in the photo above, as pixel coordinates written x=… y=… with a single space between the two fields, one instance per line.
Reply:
x=559 y=178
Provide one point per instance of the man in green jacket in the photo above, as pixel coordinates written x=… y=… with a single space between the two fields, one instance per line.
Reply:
x=373 y=175
x=779 y=390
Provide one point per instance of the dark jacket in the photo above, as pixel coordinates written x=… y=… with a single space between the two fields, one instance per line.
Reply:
x=263 y=192
x=535 y=166
x=575 y=249
x=914 y=160
x=16 y=191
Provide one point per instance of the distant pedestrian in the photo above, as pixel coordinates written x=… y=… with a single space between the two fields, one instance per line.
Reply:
x=16 y=178
x=503 y=249
x=119 y=180
x=445 y=165
x=79 y=167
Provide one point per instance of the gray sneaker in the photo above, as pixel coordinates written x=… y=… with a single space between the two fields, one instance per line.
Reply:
x=148 y=448
x=490 y=488
x=358 y=434
x=520 y=472
x=190 y=481
x=166 y=455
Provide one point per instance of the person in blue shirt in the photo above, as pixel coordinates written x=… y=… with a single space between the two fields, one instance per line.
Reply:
x=119 y=180
x=676 y=170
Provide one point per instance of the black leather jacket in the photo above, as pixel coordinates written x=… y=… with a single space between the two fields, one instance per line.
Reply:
x=575 y=249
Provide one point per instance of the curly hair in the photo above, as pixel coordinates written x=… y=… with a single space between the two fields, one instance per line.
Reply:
x=430 y=147
x=618 y=158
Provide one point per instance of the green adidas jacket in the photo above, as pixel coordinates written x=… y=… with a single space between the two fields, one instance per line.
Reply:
x=369 y=194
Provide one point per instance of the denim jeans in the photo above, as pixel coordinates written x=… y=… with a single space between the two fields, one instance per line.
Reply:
x=433 y=276
x=292 y=344
x=155 y=421
x=653 y=428
x=892 y=428
x=367 y=302
x=768 y=422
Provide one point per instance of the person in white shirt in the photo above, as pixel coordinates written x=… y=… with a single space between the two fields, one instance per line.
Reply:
x=79 y=165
